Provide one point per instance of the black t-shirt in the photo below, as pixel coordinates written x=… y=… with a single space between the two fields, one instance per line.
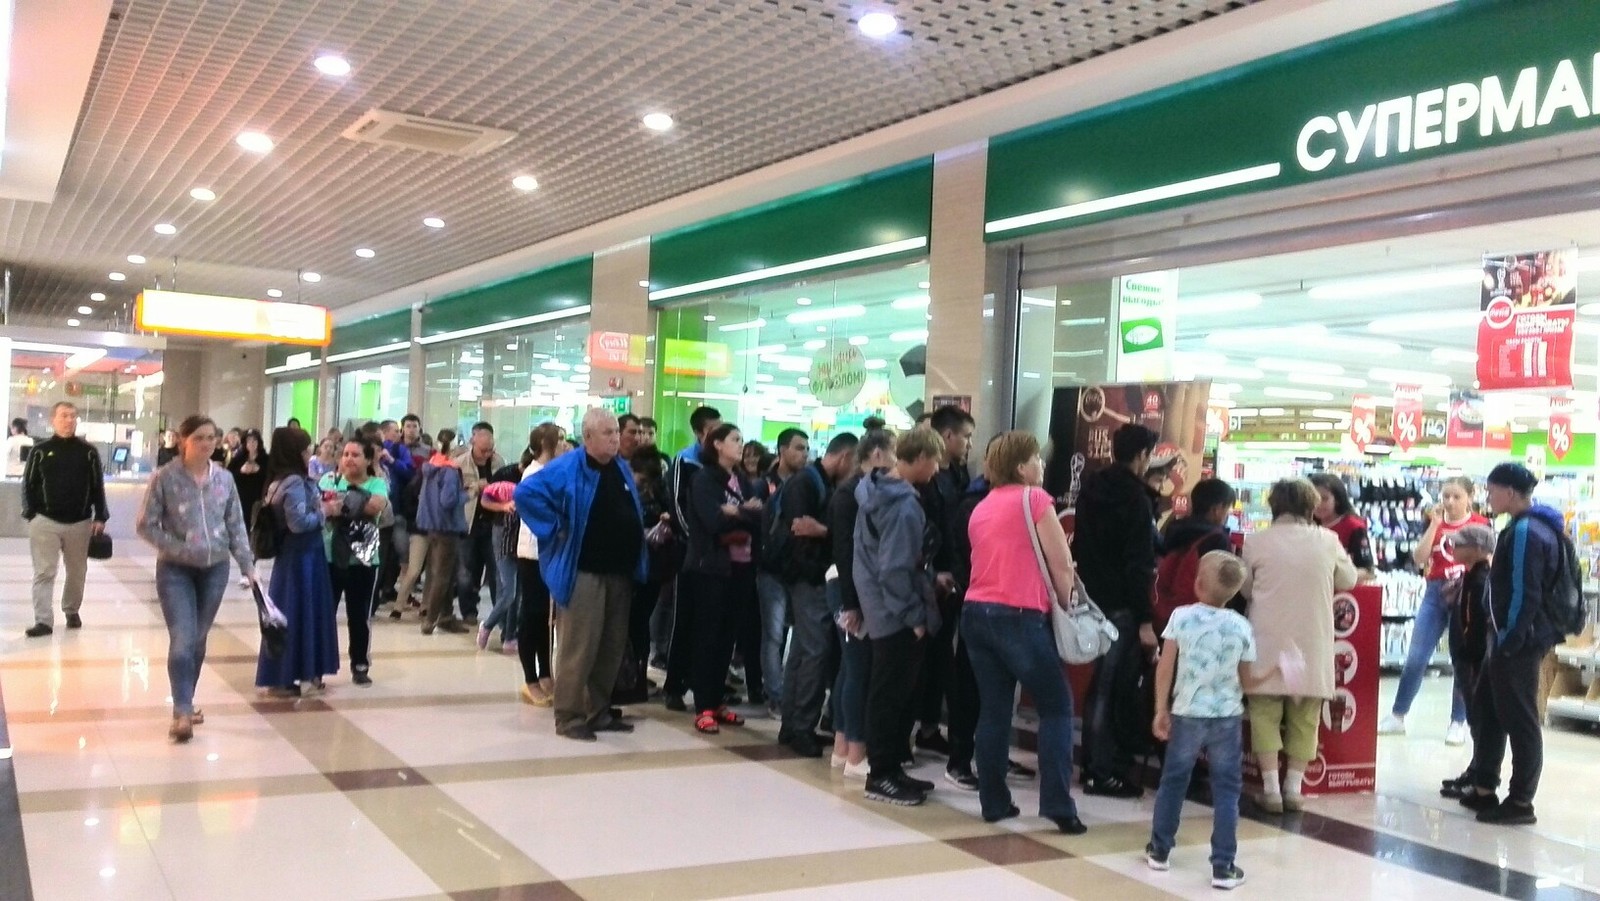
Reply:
x=613 y=537
x=480 y=516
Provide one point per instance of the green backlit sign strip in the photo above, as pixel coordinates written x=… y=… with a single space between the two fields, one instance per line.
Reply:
x=1466 y=77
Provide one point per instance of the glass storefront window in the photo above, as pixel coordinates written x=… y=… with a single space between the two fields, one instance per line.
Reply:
x=512 y=380
x=754 y=355
x=295 y=399
x=117 y=391
x=372 y=394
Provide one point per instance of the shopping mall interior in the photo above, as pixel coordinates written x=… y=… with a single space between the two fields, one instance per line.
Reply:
x=1287 y=235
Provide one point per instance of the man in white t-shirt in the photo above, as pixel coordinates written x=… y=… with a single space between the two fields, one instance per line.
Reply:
x=17 y=443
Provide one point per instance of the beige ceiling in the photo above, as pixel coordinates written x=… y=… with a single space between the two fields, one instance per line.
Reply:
x=751 y=82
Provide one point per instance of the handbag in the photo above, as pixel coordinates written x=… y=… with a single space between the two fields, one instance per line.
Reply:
x=100 y=547
x=1083 y=634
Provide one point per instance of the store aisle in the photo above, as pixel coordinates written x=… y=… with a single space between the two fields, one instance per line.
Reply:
x=436 y=783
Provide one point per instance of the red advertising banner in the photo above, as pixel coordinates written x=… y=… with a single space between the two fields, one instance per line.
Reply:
x=1529 y=305
x=1407 y=425
x=617 y=350
x=1497 y=436
x=1466 y=420
x=1363 y=421
x=1560 y=431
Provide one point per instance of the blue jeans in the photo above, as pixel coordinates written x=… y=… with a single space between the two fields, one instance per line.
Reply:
x=1433 y=620
x=849 y=699
x=509 y=605
x=1008 y=645
x=774 y=601
x=190 y=597
x=1222 y=738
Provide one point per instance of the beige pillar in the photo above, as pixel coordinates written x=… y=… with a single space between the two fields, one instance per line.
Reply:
x=621 y=304
x=957 y=270
x=181 y=378
x=232 y=388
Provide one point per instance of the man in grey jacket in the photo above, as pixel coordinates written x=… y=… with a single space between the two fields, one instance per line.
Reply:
x=891 y=577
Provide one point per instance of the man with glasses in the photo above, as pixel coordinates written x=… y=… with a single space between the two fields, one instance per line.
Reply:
x=64 y=502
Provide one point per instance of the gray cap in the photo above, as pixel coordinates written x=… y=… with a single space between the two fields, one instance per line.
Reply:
x=1478 y=537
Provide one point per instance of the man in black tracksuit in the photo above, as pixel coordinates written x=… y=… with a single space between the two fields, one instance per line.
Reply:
x=64 y=502
x=1114 y=544
x=941 y=500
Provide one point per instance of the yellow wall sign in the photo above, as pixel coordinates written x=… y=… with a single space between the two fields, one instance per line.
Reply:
x=209 y=316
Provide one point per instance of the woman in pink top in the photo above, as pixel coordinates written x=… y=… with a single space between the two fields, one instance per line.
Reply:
x=1005 y=624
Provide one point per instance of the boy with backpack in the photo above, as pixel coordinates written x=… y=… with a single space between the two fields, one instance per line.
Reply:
x=1199 y=706
x=1184 y=541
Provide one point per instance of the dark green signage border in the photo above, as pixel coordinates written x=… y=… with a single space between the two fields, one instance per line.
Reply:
x=559 y=287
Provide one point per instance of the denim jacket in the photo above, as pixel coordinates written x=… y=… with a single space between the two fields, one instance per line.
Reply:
x=193 y=524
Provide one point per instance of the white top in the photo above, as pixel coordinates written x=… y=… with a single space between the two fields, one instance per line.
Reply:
x=14 y=446
x=527 y=545
x=1212 y=642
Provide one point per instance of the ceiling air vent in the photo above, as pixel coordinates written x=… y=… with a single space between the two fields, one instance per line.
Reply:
x=392 y=129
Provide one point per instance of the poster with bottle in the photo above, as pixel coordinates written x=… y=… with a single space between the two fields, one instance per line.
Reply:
x=1466 y=420
x=1560 y=432
x=1363 y=421
x=1407 y=423
x=1529 y=306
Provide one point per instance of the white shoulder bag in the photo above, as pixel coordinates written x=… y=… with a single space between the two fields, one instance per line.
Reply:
x=1083 y=634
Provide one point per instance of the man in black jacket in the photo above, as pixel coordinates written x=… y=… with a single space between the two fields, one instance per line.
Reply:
x=1114 y=543
x=64 y=502
x=941 y=500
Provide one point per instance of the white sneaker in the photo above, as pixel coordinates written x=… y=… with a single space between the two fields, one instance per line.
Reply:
x=1392 y=725
x=857 y=770
x=1456 y=734
x=837 y=762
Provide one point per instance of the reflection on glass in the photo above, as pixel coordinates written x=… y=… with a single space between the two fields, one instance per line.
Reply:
x=117 y=391
x=513 y=381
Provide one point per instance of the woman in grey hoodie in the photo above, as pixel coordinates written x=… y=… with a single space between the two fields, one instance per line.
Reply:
x=191 y=515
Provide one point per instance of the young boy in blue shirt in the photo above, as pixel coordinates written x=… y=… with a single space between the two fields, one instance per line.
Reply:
x=1206 y=647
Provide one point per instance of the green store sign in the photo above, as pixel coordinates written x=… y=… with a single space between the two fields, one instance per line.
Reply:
x=1466 y=77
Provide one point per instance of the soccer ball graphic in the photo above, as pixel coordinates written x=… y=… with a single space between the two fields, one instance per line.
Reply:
x=908 y=379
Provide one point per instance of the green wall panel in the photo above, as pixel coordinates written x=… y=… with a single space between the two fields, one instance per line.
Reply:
x=389 y=328
x=1581 y=456
x=303 y=403
x=558 y=287
x=1254 y=115
x=893 y=205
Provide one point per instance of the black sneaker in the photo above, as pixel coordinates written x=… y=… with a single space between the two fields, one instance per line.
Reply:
x=1455 y=788
x=934 y=743
x=675 y=703
x=1015 y=770
x=360 y=677
x=1111 y=787
x=1011 y=813
x=921 y=785
x=1509 y=813
x=804 y=744
x=962 y=778
x=579 y=732
x=1478 y=803
x=74 y=621
x=1069 y=825
x=1228 y=877
x=1156 y=860
x=893 y=791
x=38 y=630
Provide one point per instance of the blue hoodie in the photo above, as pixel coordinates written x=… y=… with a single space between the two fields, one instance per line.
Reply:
x=891 y=575
x=1525 y=580
x=554 y=504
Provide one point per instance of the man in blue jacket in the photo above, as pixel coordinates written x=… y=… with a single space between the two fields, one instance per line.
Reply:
x=585 y=513
x=1531 y=580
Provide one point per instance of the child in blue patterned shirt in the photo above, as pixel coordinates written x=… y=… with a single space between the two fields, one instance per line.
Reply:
x=1199 y=706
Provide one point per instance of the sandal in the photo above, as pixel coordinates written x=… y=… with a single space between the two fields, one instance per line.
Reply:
x=724 y=715
x=707 y=723
x=197 y=717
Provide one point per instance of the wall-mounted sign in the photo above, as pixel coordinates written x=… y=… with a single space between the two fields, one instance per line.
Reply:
x=680 y=356
x=209 y=316
x=838 y=373
x=1560 y=434
x=617 y=350
x=1466 y=420
x=1363 y=421
x=1407 y=426
x=1530 y=305
x=1147 y=305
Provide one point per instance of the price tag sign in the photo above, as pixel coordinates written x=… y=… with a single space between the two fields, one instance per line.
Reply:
x=1560 y=439
x=1407 y=426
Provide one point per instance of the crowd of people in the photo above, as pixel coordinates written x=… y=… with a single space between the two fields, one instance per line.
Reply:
x=876 y=597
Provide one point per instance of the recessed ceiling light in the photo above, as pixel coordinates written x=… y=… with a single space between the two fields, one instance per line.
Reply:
x=525 y=183
x=73 y=323
x=878 y=24
x=116 y=276
x=254 y=141
x=136 y=259
x=97 y=296
x=85 y=310
x=203 y=194
x=166 y=228
x=508 y=368
x=657 y=121
x=311 y=277
x=274 y=292
x=433 y=222
x=803 y=301
x=332 y=65
x=511 y=345
x=366 y=253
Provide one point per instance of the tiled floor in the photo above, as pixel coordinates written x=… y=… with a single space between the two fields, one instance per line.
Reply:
x=437 y=783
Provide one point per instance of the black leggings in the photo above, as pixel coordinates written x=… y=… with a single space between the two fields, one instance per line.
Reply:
x=533 y=633
x=355 y=585
x=718 y=602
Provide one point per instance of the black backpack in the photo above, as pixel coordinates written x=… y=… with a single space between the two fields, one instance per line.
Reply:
x=776 y=536
x=266 y=531
x=1566 y=599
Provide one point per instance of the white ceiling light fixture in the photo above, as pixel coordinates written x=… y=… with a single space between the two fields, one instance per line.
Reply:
x=311 y=277
x=877 y=364
x=658 y=121
x=366 y=253
x=743 y=326
x=1394 y=285
x=644 y=283
x=73 y=323
x=1425 y=322
x=1296 y=393
x=917 y=302
x=858 y=340
x=274 y=292
x=254 y=142
x=330 y=64
x=433 y=222
x=166 y=228
x=815 y=344
x=97 y=297
x=85 y=310
x=136 y=259
x=525 y=183
x=878 y=24
x=1445 y=355
x=1216 y=304
x=1258 y=338
x=1326 y=381
x=117 y=276
x=508 y=368
x=802 y=301
x=1281 y=364
x=923 y=285
x=823 y=314
x=762 y=350
x=204 y=195
x=916 y=334
x=1409 y=377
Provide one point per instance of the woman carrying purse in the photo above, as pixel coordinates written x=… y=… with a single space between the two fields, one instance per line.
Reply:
x=352 y=500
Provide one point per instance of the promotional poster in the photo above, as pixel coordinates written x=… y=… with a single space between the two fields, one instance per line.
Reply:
x=1560 y=432
x=1466 y=420
x=1529 y=305
x=1407 y=422
x=1363 y=422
